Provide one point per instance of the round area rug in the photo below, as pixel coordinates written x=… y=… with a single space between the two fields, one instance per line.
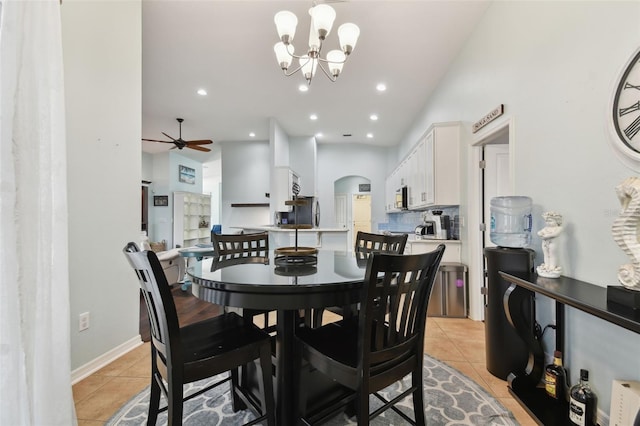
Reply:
x=450 y=398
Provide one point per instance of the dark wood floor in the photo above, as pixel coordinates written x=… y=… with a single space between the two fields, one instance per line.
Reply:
x=190 y=309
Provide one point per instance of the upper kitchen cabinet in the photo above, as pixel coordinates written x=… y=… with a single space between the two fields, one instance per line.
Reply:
x=394 y=184
x=287 y=184
x=436 y=159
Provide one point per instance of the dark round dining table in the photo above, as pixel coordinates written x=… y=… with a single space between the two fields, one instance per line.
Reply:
x=332 y=278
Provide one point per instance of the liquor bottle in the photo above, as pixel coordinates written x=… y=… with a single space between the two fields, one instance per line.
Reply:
x=554 y=378
x=583 y=402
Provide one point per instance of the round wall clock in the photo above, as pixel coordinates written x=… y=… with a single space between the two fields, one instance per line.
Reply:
x=625 y=113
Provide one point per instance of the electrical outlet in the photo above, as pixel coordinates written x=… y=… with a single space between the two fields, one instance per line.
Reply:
x=83 y=321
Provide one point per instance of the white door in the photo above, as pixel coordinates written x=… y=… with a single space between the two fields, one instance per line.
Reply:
x=495 y=181
x=361 y=215
x=341 y=210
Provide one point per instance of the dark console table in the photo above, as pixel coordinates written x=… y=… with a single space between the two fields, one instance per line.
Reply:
x=565 y=291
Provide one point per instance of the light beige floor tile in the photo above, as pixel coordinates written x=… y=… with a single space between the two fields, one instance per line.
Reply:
x=109 y=398
x=141 y=368
x=472 y=349
x=443 y=349
x=87 y=386
x=125 y=361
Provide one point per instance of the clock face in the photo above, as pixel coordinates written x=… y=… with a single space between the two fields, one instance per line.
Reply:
x=626 y=109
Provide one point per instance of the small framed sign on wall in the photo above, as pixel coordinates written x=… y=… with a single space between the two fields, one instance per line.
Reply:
x=161 y=200
x=186 y=174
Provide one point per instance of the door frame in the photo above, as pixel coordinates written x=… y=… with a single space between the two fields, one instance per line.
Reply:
x=475 y=187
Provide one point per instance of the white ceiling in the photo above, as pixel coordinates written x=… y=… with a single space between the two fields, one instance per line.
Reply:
x=226 y=47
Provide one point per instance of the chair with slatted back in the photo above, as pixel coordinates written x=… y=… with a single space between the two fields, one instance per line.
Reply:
x=181 y=355
x=380 y=346
x=380 y=243
x=366 y=243
x=243 y=248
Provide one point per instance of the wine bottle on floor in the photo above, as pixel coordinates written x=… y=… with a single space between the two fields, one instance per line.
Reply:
x=554 y=378
x=583 y=402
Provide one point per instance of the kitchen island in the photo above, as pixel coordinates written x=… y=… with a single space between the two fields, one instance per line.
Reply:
x=325 y=238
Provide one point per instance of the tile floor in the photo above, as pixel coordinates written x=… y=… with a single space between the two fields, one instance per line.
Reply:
x=458 y=342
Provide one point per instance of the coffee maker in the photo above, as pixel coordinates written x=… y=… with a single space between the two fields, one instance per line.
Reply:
x=436 y=226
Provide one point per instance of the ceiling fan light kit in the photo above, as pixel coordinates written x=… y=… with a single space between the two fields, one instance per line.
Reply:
x=322 y=18
x=181 y=143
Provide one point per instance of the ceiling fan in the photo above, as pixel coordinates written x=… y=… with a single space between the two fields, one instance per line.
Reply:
x=181 y=143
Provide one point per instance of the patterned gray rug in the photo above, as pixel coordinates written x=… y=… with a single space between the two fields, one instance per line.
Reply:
x=451 y=398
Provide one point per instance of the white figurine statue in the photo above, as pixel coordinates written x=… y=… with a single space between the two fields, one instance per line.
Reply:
x=625 y=231
x=553 y=228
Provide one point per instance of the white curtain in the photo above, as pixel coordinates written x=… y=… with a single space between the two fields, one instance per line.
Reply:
x=35 y=381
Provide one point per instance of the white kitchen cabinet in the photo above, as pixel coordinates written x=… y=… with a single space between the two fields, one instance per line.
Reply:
x=417 y=176
x=451 y=253
x=442 y=165
x=191 y=216
x=396 y=180
x=285 y=180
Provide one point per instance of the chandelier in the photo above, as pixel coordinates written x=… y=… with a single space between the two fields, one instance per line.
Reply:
x=322 y=17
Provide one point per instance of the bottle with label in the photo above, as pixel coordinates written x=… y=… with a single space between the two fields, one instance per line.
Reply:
x=583 y=402
x=554 y=378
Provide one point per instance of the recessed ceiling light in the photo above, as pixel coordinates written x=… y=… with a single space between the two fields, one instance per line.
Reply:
x=318 y=135
x=381 y=87
x=313 y=117
x=202 y=92
x=369 y=135
x=303 y=88
x=253 y=135
x=373 y=117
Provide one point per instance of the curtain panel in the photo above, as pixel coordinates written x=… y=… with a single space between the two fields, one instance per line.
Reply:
x=35 y=380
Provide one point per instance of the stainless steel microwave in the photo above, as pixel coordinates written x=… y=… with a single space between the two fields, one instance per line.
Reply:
x=402 y=198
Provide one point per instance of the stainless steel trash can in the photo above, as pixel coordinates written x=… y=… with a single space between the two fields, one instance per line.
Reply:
x=449 y=294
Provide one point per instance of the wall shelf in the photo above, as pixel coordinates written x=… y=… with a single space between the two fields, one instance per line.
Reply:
x=249 y=204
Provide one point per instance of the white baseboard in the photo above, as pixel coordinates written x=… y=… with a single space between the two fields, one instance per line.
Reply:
x=104 y=359
x=603 y=418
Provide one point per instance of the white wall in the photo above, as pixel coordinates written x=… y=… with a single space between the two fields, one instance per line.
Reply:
x=102 y=66
x=245 y=179
x=303 y=157
x=553 y=65
x=336 y=161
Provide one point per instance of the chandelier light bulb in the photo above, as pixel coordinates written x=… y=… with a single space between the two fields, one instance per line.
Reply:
x=336 y=59
x=308 y=66
x=322 y=17
x=286 y=23
x=283 y=55
x=348 y=35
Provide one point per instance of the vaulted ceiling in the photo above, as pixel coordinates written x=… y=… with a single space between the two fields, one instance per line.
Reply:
x=226 y=48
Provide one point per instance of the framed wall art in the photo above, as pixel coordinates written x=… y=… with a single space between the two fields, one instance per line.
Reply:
x=186 y=175
x=161 y=200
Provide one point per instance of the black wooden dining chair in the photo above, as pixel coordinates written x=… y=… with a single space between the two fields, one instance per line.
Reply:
x=366 y=243
x=181 y=355
x=380 y=346
x=244 y=248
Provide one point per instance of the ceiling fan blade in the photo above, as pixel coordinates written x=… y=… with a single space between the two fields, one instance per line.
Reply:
x=198 y=148
x=168 y=136
x=199 y=142
x=155 y=140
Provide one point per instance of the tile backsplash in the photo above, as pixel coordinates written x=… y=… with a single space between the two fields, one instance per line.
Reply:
x=408 y=220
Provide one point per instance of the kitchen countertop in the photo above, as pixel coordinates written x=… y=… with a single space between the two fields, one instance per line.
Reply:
x=273 y=228
x=419 y=241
